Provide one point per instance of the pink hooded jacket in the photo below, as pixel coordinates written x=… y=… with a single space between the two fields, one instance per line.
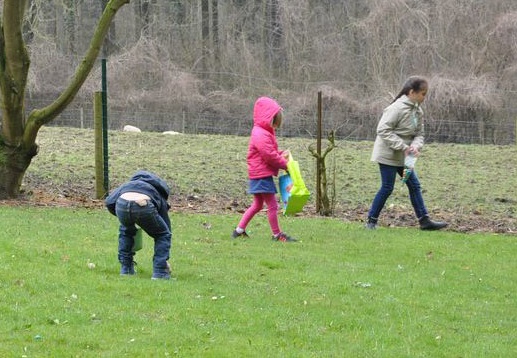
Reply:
x=264 y=158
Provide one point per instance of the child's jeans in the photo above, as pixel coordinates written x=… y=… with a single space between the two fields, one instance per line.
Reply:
x=130 y=213
x=388 y=176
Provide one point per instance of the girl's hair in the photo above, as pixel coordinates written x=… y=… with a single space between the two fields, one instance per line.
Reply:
x=277 y=119
x=415 y=83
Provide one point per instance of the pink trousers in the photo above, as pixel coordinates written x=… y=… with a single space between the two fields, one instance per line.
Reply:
x=257 y=205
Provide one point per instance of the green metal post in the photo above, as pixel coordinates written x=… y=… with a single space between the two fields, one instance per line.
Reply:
x=105 y=125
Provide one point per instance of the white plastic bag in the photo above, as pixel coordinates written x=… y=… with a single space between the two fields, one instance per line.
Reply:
x=409 y=166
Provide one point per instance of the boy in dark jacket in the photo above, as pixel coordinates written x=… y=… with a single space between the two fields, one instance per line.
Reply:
x=142 y=201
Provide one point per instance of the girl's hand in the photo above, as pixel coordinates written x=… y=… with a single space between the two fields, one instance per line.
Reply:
x=412 y=150
x=286 y=154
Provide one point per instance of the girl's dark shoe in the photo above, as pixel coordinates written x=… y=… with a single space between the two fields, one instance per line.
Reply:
x=283 y=238
x=428 y=224
x=235 y=234
x=371 y=224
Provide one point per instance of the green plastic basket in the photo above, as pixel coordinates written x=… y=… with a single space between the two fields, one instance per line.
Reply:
x=137 y=243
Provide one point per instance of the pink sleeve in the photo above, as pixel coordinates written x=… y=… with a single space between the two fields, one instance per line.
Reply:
x=268 y=148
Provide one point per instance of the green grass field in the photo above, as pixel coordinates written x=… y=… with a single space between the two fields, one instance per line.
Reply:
x=341 y=292
x=472 y=187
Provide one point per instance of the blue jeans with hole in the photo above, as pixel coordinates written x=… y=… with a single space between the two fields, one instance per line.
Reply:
x=388 y=177
x=129 y=214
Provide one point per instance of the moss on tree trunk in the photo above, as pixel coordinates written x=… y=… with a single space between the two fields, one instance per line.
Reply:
x=18 y=133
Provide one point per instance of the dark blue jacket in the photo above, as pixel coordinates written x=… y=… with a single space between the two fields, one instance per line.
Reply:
x=147 y=183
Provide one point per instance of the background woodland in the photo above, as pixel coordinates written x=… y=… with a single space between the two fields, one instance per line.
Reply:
x=197 y=66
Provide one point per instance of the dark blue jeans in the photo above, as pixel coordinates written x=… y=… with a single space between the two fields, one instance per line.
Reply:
x=130 y=213
x=388 y=176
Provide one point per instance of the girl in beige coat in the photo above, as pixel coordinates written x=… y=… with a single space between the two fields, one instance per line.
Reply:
x=400 y=134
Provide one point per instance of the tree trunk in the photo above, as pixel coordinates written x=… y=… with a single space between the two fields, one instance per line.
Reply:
x=205 y=36
x=274 y=47
x=70 y=26
x=142 y=19
x=215 y=34
x=110 y=46
x=14 y=163
x=326 y=209
x=18 y=133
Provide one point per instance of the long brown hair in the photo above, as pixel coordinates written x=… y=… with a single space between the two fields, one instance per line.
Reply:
x=415 y=83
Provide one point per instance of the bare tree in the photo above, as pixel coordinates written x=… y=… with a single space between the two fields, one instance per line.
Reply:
x=110 y=40
x=215 y=31
x=289 y=49
x=274 y=38
x=18 y=133
x=325 y=205
x=142 y=18
x=205 y=35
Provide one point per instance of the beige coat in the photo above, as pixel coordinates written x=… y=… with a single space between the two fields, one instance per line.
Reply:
x=400 y=126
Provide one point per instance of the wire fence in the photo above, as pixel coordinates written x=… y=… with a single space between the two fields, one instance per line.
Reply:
x=345 y=126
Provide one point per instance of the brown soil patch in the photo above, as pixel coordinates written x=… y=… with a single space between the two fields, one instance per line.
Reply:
x=72 y=197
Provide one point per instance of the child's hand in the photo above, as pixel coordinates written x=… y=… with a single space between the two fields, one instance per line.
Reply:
x=412 y=150
x=286 y=154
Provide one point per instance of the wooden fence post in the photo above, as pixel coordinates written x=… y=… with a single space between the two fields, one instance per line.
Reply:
x=99 y=146
x=318 y=159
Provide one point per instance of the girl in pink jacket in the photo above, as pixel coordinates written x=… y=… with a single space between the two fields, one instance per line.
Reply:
x=264 y=161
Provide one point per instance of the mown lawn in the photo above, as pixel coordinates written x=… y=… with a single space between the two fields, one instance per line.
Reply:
x=341 y=291
x=470 y=186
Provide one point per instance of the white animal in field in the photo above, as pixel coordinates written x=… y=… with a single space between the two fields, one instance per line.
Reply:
x=128 y=128
x=171 y=132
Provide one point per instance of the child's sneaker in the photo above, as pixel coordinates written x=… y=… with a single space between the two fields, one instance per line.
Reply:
x=283 y=238
x=128 y=269
x=236 y=234
x=163 y=275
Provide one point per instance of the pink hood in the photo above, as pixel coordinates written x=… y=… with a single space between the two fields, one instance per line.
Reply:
x=264 y=158
x=263 y=112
